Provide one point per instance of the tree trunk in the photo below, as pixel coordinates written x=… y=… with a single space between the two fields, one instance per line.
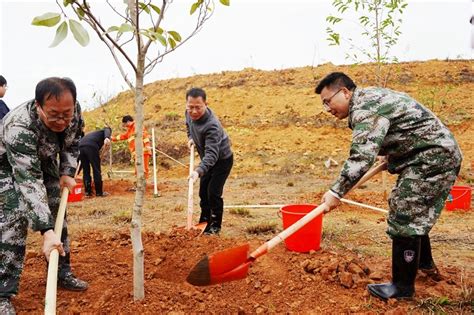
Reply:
x=136 y=224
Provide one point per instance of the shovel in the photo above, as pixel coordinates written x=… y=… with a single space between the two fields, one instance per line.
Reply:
x=189 y=222
x=233 y=263
x=52 y=281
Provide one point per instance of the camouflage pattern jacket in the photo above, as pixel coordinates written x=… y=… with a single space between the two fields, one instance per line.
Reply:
x=386 y=122
x=31 y=149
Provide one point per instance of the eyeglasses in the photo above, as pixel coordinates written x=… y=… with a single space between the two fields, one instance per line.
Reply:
x=327 y=102
x=56 y=118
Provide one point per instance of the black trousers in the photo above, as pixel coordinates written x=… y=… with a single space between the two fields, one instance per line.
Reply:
x=211 y=189
x=90 y=157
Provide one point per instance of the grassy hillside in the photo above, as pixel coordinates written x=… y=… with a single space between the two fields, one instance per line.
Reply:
x=276 y=121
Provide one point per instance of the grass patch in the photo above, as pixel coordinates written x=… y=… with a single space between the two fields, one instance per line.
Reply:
x=123 y=216
x=240 y=212
x=261 y=228
x=179 y=207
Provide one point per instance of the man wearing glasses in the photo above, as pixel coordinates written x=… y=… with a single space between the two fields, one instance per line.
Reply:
x=38 y=156
x=3 y=89
x=418 y=147
x=213 y=145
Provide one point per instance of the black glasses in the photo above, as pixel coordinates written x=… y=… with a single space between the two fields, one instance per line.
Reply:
x=56 y=118
x=327 y=102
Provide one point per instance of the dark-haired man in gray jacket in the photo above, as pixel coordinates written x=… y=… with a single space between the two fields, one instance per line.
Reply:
x=213 y=145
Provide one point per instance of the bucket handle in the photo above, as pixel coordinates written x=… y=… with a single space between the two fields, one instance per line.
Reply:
x=450 y=196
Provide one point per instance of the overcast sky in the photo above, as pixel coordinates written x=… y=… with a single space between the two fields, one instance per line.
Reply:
x=263 y=34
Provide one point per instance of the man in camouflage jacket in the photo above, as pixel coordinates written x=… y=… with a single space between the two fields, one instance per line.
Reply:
x=418 y=147
x=38 y=155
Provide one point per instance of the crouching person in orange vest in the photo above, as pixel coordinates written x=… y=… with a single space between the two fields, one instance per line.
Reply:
x=129 y=135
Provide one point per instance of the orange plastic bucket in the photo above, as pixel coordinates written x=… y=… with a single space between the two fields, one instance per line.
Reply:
x=309 y=236
x=459 y=198
x=76 y=194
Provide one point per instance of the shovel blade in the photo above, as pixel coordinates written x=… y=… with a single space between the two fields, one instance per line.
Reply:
x=227 y=265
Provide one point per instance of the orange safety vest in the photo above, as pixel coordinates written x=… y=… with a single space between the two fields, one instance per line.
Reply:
x=130 y=137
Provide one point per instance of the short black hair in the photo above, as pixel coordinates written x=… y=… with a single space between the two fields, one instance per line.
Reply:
x=195 y=93
x=3 y=81
x=336 y=80
x=127 y=118
x=54 y=87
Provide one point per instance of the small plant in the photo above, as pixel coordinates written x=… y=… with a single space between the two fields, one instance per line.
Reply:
x=179 y=207
x=435 y=305
x=123 y=216
x=171 y=116
x=261 y=228
x=240 y=212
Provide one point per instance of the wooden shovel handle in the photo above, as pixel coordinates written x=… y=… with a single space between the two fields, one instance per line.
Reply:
x=263 y=249
x=371 y=173
x=189 y=222
x=51 y=284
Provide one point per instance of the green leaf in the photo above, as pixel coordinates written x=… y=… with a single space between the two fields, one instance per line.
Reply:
x=161 y=39
x=175 y=35
x=48 y=19
x=112 y=29
x=67 y=2
x=155 y=8
x=80 y=13
x=125 y=28
x=225 y=2
x=172 y=42
x=144 y=7
x=194 y=8
x=80 y=34
x=61 y=33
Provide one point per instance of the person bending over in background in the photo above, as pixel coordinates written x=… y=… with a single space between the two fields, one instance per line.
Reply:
x=3 y=89
x=89 y=147
x=129 y=135
x=38 y=155
x=213 y=145
x=418 y=146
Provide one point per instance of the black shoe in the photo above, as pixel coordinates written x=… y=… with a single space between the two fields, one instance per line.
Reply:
x=104 y=194
x=70 y=282
x=213 y=230
x=6 y=306
x=405 y=259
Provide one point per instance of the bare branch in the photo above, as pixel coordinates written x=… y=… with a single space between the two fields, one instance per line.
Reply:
x=101 y=31
x=118 y=13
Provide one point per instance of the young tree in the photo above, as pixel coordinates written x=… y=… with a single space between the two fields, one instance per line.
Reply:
x=379 y=22
x=141 y=34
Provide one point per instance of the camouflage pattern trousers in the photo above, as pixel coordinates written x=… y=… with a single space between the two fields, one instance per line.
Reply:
x=14 y=229
x=416 y=201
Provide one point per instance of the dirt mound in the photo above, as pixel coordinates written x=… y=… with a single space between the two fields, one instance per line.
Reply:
x=280 y=282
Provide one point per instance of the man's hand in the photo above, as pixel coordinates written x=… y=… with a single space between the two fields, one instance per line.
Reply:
x=67 y=181
x=190 y=143
x=330 y=200
x=106 y=142
x=51 y=241
x=194 y=176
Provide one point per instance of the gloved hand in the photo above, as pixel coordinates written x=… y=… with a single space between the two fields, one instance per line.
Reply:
x=194 y=176
x=190 y=143
x=106 y=142
x=330 y=200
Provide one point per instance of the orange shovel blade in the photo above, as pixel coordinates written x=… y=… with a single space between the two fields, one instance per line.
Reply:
x=227 y=265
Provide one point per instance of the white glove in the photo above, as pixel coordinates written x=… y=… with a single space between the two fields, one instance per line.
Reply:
x=106 y=142
x=194 y=176
x=190 y=143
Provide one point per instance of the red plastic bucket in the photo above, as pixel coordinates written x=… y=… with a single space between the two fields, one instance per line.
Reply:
x=459 y=198
x=309 y=236
x=76 y=194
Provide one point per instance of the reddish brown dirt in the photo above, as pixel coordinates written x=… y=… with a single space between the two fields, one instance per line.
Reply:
x=281 y=139
x=282 y=281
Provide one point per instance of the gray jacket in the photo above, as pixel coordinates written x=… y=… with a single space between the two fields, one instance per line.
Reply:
x=211 y=140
